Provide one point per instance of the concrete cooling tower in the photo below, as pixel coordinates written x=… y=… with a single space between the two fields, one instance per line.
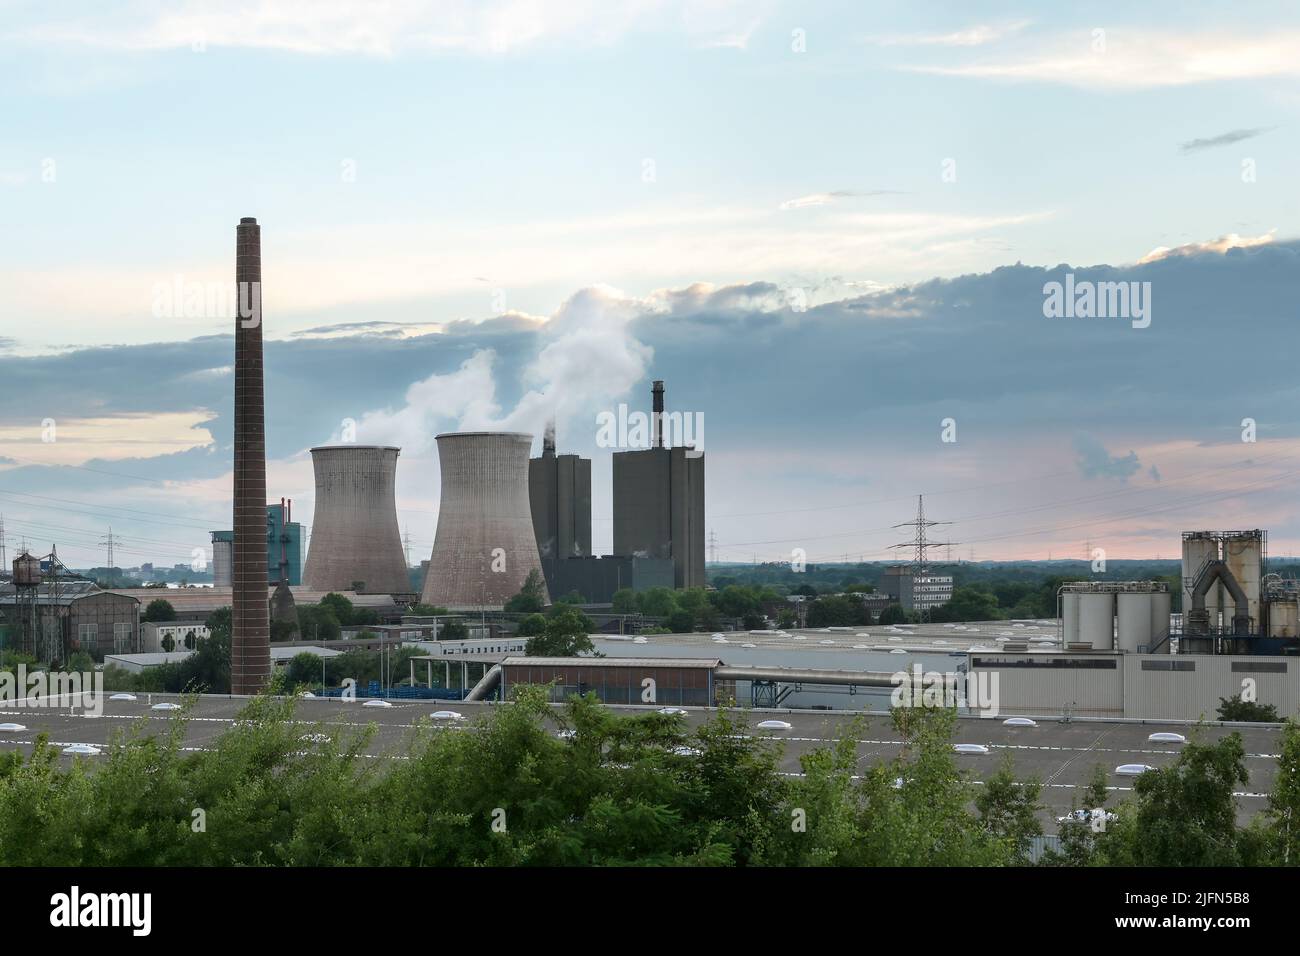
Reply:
x=485 y=545
x=354 y=533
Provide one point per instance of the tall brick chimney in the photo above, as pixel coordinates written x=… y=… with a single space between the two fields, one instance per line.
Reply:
x=250 y=654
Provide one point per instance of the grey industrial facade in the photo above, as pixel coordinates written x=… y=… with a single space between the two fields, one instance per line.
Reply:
x=1142 y=686
x=597 y=578
x=659 y=509
x=559 y=493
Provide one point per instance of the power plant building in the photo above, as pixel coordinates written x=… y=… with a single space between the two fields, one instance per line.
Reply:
x=486 y=544
x=559 y=492
x=659 y=504
x=355 y=541
x=597 y=579
x=283 y=544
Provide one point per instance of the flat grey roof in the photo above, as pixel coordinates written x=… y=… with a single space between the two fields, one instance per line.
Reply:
x=708 y=663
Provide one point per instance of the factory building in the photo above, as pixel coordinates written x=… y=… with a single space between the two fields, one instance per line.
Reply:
x=1156 y=686
x=597 y=578
x=916 y=591
x=54 y=620
x=681 y=682
x=659 y=503
x=355 y=542
x=283 y=549
x=283 y=545
x=485 y=546
x=559 y=493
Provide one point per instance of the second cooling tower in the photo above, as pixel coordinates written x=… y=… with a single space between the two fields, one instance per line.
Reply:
x=355 y=541
x=485 y=546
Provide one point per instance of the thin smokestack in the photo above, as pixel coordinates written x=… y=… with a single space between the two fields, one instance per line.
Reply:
x=657 y=394
x=250 y=654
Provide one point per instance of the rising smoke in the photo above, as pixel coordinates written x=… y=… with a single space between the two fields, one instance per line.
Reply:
x=587 y=359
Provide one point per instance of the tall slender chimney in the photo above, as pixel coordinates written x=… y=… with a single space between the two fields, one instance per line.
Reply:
x=250 y=654
x=657 y=393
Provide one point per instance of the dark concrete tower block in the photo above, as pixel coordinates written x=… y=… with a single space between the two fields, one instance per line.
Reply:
x=250 y=655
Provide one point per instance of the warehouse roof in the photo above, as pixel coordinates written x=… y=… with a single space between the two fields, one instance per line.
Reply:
x=707 y=663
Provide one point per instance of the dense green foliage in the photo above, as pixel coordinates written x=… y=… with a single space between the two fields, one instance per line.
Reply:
x=566 y=633
x=1236 y=709
x=531 y=597
x=159 y=610
x=641 y=789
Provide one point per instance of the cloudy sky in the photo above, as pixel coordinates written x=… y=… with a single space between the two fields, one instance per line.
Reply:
x=828 y=228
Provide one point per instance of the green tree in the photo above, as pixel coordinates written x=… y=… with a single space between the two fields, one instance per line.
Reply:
x=968 y=604
x=1236 y=709
x=1183 y=814
x=340 y=607
x=836 y=611
x=1008 y=810
x=656 y=602
x=1281 y=831
x=566 y=635
x=892 y=614
x=532 y=625
x=624 y=601
x=159 y=610
x=316 y=622
x=427 y=610
x=531 y=597
x=453 y=631
x=681 y=622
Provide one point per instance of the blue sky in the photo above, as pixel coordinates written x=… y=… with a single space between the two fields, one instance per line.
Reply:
x=605 y=193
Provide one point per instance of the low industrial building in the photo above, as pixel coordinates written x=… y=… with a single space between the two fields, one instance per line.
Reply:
x=281 y=655
x=681 y=682
x=1142 y=686
x=52 y=621
x=154 y=634
x=917 y=590
x=598 y=578
x=196 y=603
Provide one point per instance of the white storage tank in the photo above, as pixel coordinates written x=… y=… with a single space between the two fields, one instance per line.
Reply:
x=1162 y=603
x=1283 y=618
x=1097 y=620
x=1070 y=614
x=1134 y=620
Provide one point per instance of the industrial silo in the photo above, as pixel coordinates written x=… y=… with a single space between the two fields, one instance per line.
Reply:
x=1198 y=548
x=1134 y=621
x=485 y=546
x=1244 y=555
x=1283 y=617
x=1070 y=615
x=1097 y=620
x=222 y=544
x=1161 y=608
x=355 y=541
